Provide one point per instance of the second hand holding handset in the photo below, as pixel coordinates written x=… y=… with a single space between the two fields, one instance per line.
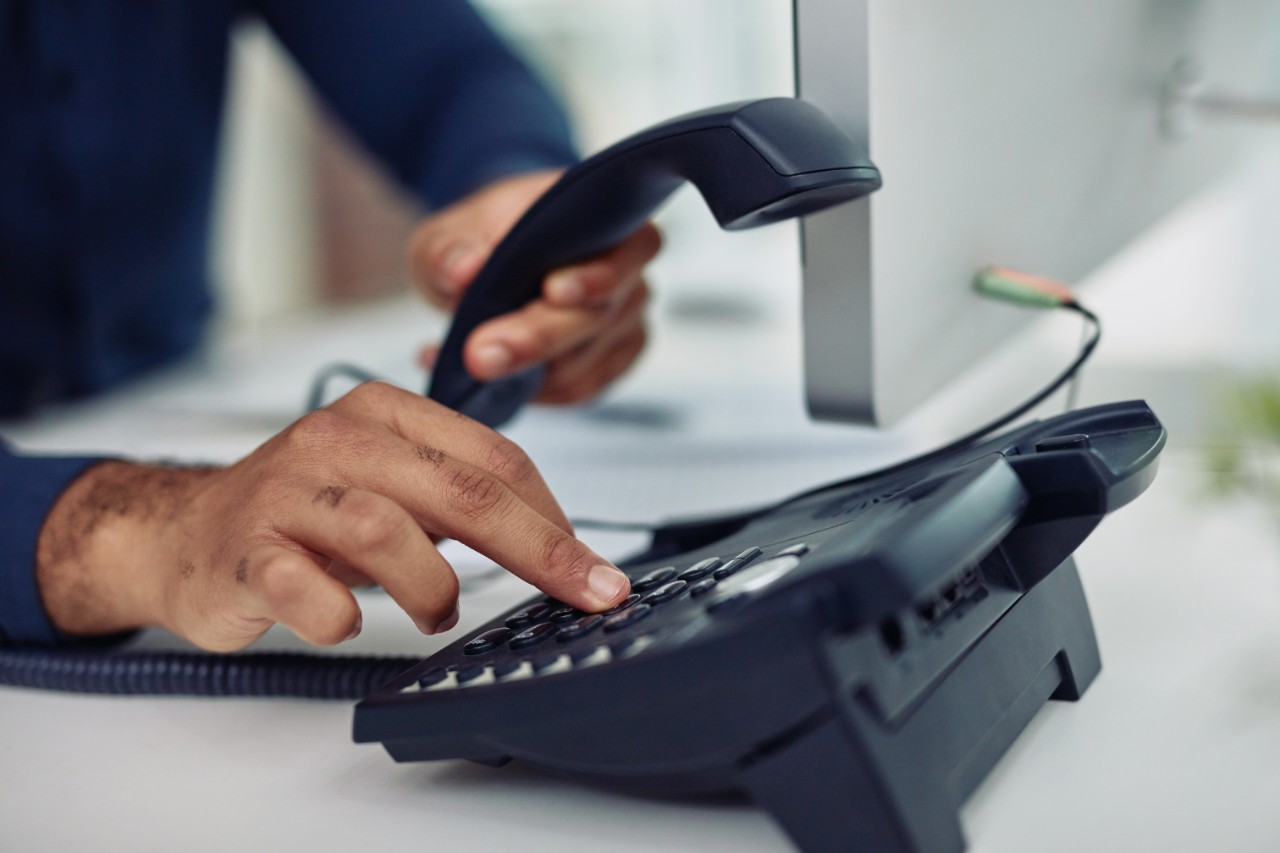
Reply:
x=755 y=162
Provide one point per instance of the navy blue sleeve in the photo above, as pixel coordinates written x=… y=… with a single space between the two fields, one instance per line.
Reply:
x=29 y=486
x=428 y=87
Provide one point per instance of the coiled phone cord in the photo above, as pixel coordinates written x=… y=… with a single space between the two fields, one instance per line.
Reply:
x=151 y=673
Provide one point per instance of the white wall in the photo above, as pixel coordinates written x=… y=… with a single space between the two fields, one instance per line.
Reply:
x=619 y=65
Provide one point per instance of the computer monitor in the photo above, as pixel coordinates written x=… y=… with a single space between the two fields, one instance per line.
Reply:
x=1027 y=133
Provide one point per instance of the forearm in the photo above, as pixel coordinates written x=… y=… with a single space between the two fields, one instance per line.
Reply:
x=107 y=544
x=428 y=88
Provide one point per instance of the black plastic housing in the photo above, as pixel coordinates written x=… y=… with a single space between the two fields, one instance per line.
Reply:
x=859 y=695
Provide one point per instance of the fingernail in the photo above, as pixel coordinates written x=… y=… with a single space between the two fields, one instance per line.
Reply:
x=607 y=584
x=450 y=623
x=566 y=289
x=493 y=360
x=355 y=632
x=452 y=267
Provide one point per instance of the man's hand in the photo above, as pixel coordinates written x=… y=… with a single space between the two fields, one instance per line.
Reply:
x=588 y=325
x=353 y=493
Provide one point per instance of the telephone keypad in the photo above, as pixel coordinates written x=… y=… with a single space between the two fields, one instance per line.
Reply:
x=536 y=623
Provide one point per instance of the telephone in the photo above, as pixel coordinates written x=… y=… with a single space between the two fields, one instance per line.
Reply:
x=855 y=659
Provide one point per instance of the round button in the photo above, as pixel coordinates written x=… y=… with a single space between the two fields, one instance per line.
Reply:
x=470 y=673
x=565 y=614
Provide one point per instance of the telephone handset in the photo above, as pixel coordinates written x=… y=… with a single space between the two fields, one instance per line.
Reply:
x=754 y=162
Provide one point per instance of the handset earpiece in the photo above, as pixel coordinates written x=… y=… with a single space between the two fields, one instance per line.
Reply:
x=754 y=162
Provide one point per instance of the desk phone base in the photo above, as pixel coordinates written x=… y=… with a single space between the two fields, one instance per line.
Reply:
x=855 y=659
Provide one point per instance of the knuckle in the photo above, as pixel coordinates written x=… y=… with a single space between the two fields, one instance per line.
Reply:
x=316 y=429
x=506 y=461
x=474 y=493
x=374 y=394
x=559 y=557
x=370 y=525
x=280 y=577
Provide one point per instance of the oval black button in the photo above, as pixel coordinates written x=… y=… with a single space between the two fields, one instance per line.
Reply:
x=531 y=614
x=631 y=601
x=533 y=636
x=665 y=593
x=655 y=578
x=488 y=641
x=702 y=587
x=737 y=563
x=627 y=617
x=700 y=569
x=585 y=625
x=565 y=614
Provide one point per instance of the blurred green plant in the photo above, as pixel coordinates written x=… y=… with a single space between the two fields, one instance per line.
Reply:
x=1244 y=457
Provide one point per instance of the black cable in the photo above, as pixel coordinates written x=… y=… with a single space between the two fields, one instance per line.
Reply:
x=969 y=439
x=1093 y=328
x=1086 y=350
x=263 y=674
x=320 y=384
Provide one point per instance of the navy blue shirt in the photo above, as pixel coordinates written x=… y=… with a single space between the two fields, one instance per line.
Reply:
x=109 y=121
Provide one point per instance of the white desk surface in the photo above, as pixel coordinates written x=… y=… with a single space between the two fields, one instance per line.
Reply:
x=1174 y=748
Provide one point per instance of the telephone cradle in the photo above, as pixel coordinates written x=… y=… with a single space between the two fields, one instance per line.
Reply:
x=855 y=659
